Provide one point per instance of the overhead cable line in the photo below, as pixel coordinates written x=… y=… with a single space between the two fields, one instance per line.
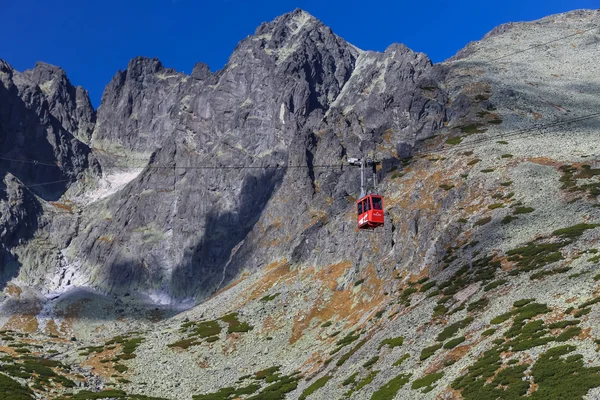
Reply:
x=469 y=144
x=535 y=46
x=521 y=133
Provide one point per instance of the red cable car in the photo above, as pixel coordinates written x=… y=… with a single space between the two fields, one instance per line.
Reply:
x=370 y=211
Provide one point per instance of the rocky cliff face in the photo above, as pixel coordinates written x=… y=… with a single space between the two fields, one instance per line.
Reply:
x=485 y=215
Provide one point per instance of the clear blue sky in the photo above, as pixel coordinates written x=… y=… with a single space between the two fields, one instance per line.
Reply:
x=91 y=40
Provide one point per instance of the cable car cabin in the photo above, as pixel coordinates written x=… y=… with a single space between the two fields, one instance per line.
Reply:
x=370 y=211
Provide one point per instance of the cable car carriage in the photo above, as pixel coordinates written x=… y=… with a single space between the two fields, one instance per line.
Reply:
x=370 y=211
x=370 y=206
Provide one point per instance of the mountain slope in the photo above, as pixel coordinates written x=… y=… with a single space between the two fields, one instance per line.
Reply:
x=482 y=284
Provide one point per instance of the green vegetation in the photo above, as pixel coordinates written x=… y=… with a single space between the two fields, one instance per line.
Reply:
x=502 y=142
x=427 y=286
x=11 y=389
x=483 y=221
x=472 y=129
x=399 y=362
x=454 y=342
x=494 y=284
x=234 y=324
x=371 y=362
x=452 y=329
x=446 y=186
x=269 y=298
x=454 y=140
x=392 y=342
x=389 y=390
x=506 y=156
x=429 y=351
x=523 y=210
x=534 y=255
x=542 y=274
x=582 y=312
x=488 y=332
x=496 y=205
x=487 y=170
x=362 y=383
x=358 y=282
x=508 y=219
x=427 y=381
x=474 y=161
x=327 y=324
x=349 y=354
x=350 y=380
x=316 y=385
x=522 y=302
x=574 y=231
x=478 y=305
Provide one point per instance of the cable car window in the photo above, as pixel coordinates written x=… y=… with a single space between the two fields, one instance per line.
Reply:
x=360 y=208
x=367 y=205
x=377 y=203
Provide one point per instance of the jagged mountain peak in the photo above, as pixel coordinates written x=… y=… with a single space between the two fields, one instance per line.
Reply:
x=5 y=66
x=291 y=23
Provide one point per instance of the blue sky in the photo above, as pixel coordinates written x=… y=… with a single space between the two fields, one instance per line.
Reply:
x=91 y=40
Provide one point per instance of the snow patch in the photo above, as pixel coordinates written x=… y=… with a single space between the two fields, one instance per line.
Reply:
x=282 y=113
x=109 y=185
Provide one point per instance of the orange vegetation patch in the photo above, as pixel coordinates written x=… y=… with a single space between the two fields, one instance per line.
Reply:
x=66 y=205
x=51 y=328
x=271 y=324
x=26 y=323
x=585 y=334
x=13 y=290
x=103 y=369
x=8 y=350
x=313 y=364
x=571 y=299
x=275 y=272
x=449 y=394
x=545 y=161
x=342 y=304
x=532 y=388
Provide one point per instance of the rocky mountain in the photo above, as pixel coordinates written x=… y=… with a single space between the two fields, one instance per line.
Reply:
x=201 y=240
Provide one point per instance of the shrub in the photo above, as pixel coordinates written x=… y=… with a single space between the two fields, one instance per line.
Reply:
x=575 y=230
x=401 y=360
x=427 y=380
x=392 y=342
x=494 y=284
x=483 y=221
x=452 y=329
x=371 y=362
x=454 y=140
x=496 y=205
x=454 y=342
x=389 y=390
x=508 y=219
x=523 y=210
x=429 y=351
x=487 y=170
x=316 y=385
